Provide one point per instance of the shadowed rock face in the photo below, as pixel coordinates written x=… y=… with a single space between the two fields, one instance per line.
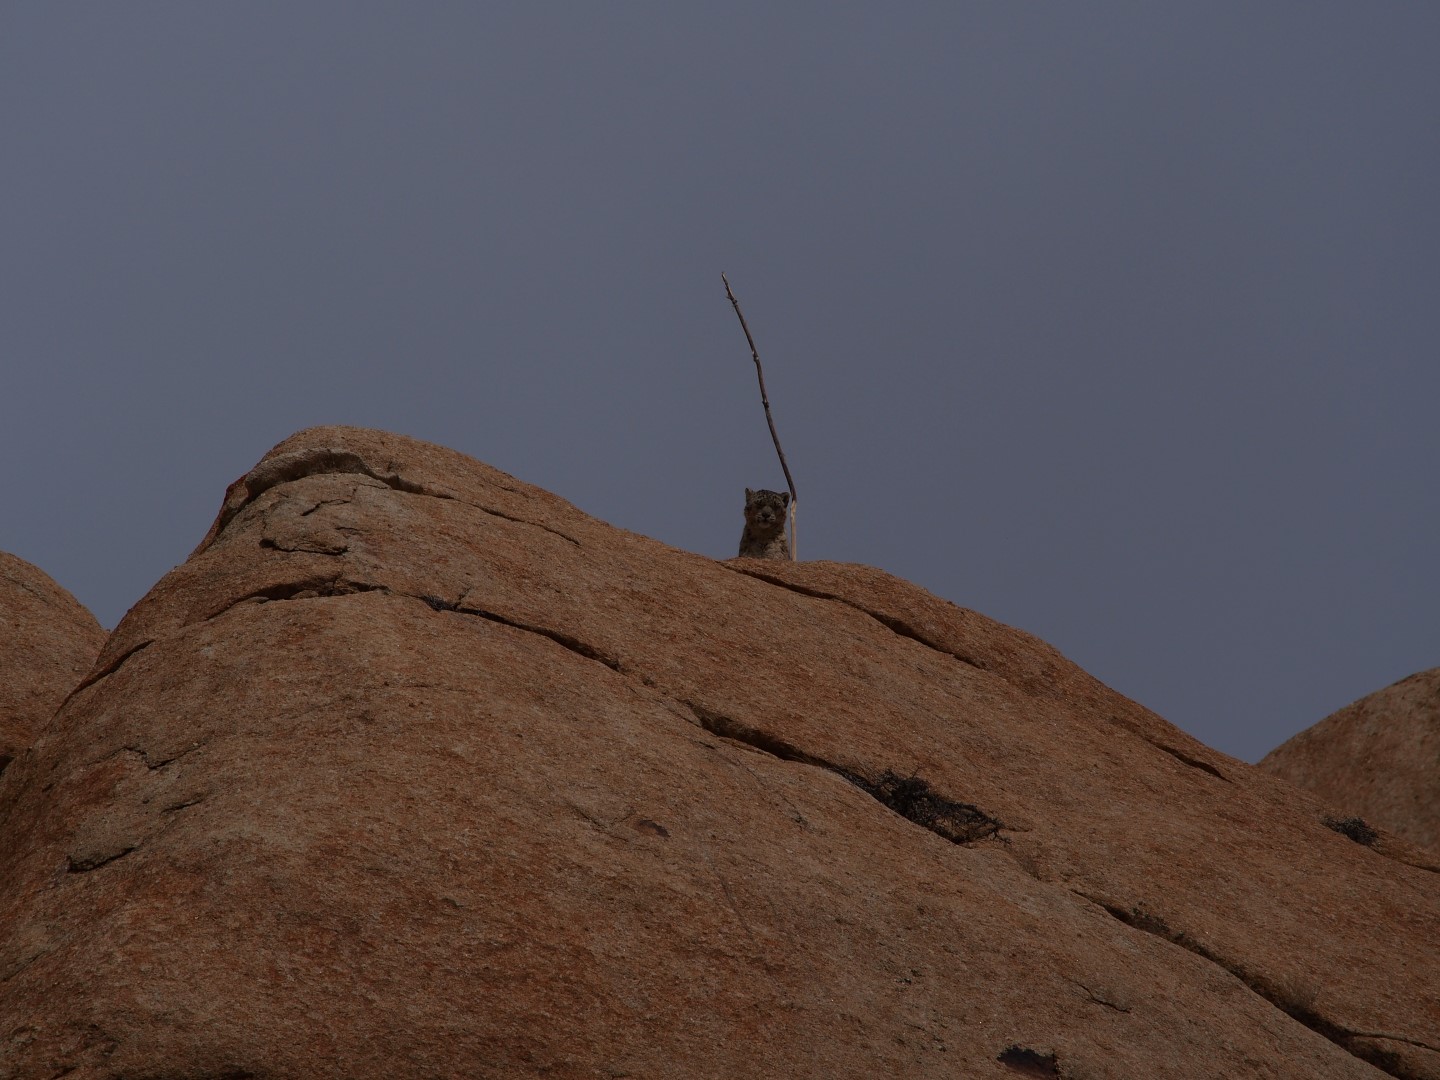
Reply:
x=414 y=770
x=47 y=642
x=1378 y=759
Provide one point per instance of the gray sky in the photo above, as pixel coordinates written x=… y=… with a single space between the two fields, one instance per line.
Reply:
x=1117 y=322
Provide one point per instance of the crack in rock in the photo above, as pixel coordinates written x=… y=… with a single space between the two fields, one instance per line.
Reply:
x=321 y=504
x=1390 y=1036
x=321 y=548
x=144 y=755
x=1186 y=759
x=522 y=521
x=109 y=669
x=575 y=645
x=908 y=796
x=890 y=623
x=1297 y=1005
x=307 y=589
x=1100 y=999
x=313 y=461
x=313 y=588
x=176 y=807
x=322 y=461
x=93 y=862
x=726 y=728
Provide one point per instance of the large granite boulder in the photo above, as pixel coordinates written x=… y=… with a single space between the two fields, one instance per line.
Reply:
x=1377 y=759
x=414 y=770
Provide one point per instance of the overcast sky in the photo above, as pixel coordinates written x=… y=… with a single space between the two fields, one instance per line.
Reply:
x=1117 y=322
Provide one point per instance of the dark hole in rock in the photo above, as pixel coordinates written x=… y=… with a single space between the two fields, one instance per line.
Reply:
x=1028 y=1062
x=1355 y=828
x=912 y=798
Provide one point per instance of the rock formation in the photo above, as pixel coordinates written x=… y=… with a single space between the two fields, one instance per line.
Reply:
x=414 y=770
x=47 y=642
x=1377 y=759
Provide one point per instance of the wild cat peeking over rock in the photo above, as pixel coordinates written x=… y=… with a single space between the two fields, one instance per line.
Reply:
x=764 y=535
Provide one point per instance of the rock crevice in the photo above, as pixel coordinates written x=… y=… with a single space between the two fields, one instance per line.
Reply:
x=1296 y=1003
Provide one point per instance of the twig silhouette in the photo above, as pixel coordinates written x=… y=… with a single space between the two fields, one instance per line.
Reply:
x=765 y=400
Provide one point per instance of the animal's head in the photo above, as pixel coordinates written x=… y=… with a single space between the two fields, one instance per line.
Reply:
x=766 y=508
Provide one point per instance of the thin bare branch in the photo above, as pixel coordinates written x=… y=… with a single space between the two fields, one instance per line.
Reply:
x=765 y=400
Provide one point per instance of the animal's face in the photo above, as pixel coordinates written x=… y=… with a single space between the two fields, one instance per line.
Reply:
x=766 y=508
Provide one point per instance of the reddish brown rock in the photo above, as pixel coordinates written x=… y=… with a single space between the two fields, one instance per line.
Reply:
x=413 y=770
x=1377 y=759
x=47 y=643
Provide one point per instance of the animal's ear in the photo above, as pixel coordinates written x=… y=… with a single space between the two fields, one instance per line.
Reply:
x=749 y=496
x=784 y=498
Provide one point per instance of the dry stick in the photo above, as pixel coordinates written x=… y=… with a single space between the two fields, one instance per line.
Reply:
x=765 y=400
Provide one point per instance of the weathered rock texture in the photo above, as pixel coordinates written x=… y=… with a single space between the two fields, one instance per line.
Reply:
x=47 y=643
x=1377 y=759
x=413 y=770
